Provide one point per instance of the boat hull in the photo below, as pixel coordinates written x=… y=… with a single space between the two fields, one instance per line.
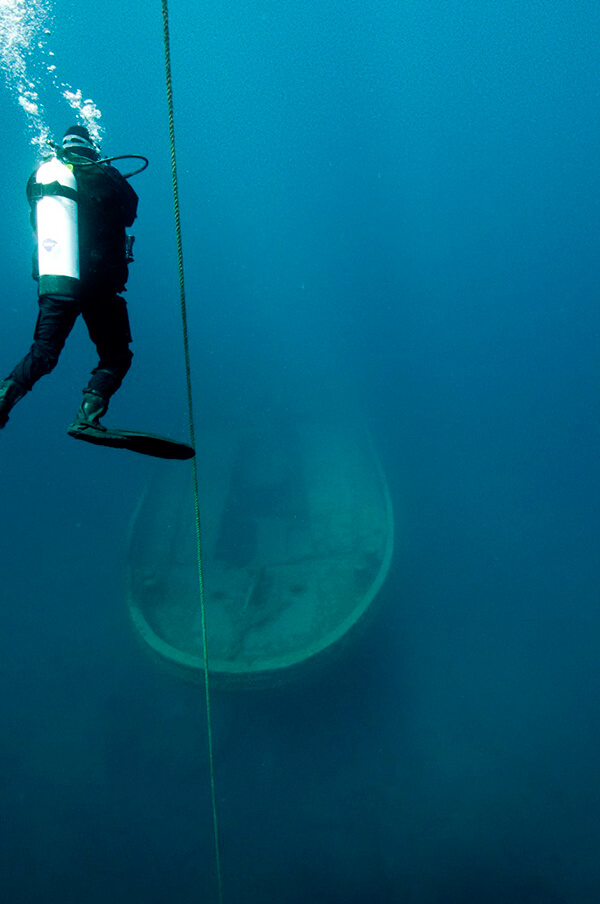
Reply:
x=296 y=538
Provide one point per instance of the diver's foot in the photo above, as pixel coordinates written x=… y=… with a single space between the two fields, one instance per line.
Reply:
x=11 y=392
x=92 y=408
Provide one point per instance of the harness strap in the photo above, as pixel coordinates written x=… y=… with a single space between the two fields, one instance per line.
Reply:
x=41 y=190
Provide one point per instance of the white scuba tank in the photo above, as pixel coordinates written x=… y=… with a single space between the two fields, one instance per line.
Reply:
x=57 y=231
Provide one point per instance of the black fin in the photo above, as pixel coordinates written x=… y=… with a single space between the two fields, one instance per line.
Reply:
x=144 y=443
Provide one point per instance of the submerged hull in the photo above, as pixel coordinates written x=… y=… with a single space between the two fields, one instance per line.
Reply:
x=297 y=536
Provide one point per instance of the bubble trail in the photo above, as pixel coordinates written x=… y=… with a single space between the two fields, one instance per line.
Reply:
x=29 y=67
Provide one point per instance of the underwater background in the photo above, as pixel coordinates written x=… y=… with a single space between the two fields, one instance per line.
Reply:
x=401 y=199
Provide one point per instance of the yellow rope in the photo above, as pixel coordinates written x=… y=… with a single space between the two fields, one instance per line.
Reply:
x=188 y=372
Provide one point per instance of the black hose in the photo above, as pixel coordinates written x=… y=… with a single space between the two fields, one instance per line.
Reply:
x=140 y=169
x=85 y=161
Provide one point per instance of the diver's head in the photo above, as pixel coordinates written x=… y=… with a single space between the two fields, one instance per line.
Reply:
x=78 y=142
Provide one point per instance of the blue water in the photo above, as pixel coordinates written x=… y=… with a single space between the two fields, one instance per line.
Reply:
x=402 y=198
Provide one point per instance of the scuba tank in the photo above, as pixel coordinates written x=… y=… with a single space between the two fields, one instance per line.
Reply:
x=55 y=196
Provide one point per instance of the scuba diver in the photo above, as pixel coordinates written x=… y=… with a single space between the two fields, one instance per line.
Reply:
x=103 y=205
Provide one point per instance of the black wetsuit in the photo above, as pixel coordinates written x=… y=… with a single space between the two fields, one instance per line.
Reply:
x=107 y=204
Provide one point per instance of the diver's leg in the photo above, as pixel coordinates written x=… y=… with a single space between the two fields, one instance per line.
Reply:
x=11 y=392
x=106 y=317
x=57 y=315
